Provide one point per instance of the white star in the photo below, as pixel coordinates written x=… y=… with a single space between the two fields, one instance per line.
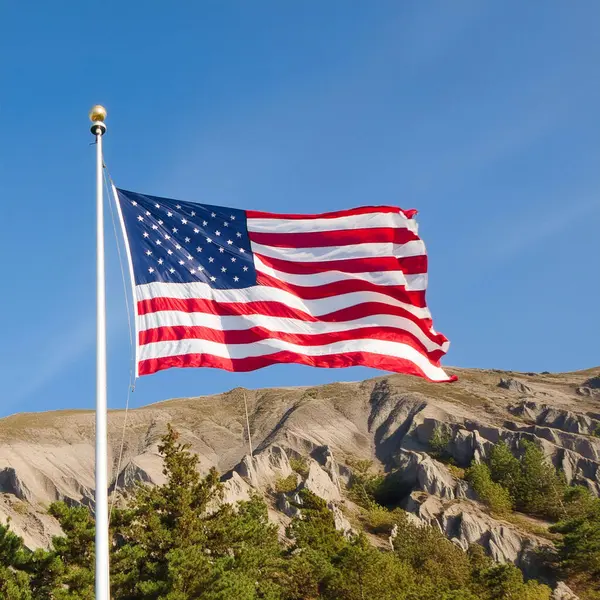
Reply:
x=169 y=214
x=217 y=232
x=193 y=214
x=238 y=234
x=157 y=205
x=223 y=270
x=148 y=252
x=245 y=268
x=182 y=262
x=198 y=249
x=148 y=213
x=229 y=242
x=146 y=234
x=160 y=222
x=160 y=261
x=171 y=270
x=150 y=270
x=213 y=214
x=242 y=251
x=225 y=224
x=178 y=206
x=196 y=230
x=184 y=221
x=174 y=230
x=236 y=278
x=169 y=252
x=233 y=259
x=189 y=257
x=204 y=223
x=158 y=242
x=187 y=240
x=200 y=268
x=167 y=236
x=211 y=259
x=134 y=203
x=192 y=271
x=232 y=217
x=154 y=227
x=177 y=246
x=208 y=240
x=213 y=278
x=140 y=218
x=221 y=250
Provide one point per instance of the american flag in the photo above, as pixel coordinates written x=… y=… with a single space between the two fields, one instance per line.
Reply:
x=240 y=289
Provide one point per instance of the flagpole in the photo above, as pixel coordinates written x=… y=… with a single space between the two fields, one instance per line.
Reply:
x=98 y=129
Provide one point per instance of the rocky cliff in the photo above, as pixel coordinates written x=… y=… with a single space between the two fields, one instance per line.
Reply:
x=389 y=420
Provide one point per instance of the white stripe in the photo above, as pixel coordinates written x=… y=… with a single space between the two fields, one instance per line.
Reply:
x=352 y=251
x=366 y=221
x=412 y=283
x=264 y=293
x=175 y=318
x=237 y=351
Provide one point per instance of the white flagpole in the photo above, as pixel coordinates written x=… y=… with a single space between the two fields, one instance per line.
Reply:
x=97 y=116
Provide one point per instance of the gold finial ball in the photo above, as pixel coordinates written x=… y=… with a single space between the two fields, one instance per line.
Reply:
x=97 y=114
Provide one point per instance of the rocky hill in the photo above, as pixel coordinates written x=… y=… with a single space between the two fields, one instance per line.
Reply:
x=390 y=420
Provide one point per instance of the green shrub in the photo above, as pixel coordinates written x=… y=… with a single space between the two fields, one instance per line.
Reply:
x=285 y=485
x=300 y=466
x=378 y=519
x=439 y=442
x=490 y=493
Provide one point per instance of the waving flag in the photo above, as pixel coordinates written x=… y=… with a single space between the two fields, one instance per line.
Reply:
x=240 y=290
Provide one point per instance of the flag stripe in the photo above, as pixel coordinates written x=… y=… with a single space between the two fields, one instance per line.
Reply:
x=417 y=282
x=261 y=293
x=270 y=347
x=343 y=237
x=328 y=253
x=337 y=288
x=413 y=265
x=257 y=334
x=175 y=318
x=350 y=212
x=331 y=361
x=308 y=225
x=281 y=310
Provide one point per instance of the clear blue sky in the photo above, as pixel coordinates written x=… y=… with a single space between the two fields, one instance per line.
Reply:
x=482 y=115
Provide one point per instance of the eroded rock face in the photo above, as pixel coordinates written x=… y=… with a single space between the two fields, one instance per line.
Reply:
x=465 y=523
x=263 y=469
x=514 y=385
x=319 y=482
x=388 y=420
x=421 y=472
x=563 y=592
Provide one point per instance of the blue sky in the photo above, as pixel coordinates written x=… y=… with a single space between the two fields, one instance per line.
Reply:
x=482 y=115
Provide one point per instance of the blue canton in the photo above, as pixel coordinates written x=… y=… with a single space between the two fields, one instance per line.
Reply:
x=182 y=242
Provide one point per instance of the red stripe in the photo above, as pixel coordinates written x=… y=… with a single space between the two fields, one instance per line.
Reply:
x=345 y=286
x=258 y=334
x=411 y=265
x=362 y=210
x=342 y=237
x=278 y=309
x=350 y=359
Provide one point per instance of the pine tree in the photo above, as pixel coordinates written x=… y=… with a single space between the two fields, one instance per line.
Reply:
x=491 y=493
x=14 y=582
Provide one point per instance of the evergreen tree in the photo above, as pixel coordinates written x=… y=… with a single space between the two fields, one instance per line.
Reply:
x=541 y=489
x=14 y=582
x=579 y=546
x=491 y=493
x=505 y=468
